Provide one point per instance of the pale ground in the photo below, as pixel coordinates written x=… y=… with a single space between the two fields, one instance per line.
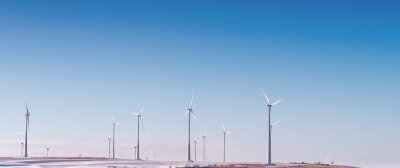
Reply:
x=121 y=163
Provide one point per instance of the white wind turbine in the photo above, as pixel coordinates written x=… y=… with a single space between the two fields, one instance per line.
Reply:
x=114 y=124
x=190 y=113
x=139 y=120
x=224 y=132
x=26 y=129
x=204 y=137
x=195 y=149
x=269 y=105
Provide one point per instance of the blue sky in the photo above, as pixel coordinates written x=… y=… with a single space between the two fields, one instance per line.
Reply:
x=75 y=63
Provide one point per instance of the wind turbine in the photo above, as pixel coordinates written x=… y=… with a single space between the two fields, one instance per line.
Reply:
x=114 y=124
x=47 y=149
x=225 y=132
x=109 y=147
x=139 y=119
x=22 y=149
x=26 y=129
x=135 y=151
x=195 y=149
x=190 y=113
x=269 y=105
x=204 y=137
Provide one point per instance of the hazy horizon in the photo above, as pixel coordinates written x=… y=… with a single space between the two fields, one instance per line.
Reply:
x=77 y=62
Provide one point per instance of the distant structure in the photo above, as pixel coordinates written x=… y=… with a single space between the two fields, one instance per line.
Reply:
x=114 y=124
x=224 y=132
x=135 y=151
x=190 y=113
x=269 y=105
x=109 y=147
x=195 y=149
x=204 y=137
x=22 y=149
x=47 y=149
x=139 y=120
x=26 y=129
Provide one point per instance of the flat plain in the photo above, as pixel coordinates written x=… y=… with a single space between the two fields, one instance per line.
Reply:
x=64 y=162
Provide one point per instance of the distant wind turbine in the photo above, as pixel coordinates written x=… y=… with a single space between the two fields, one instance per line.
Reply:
x=204 y=137
x=225 y=132
x=139 y=120
x=269 y=105
x=22 y=149
x=190 y=113
x=109 y=147
x=26 y=129
x=47 y=149
x=114 y=124
x=195 y=149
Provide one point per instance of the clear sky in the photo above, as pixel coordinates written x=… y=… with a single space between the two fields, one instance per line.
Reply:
x=336 y=63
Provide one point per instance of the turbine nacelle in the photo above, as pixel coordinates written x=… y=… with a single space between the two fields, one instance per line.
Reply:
x=228 y=132
x=139 y=115
x=27 y=115
x=224 y=130
x=114 y=123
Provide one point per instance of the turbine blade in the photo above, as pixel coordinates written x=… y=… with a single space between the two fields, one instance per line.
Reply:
x=265 y=95
x=141 y=110
x=185 y=113
x=277 y=102
x=195 y=117
x=266 y=118
x=26 y=106
x=112 y=114
x=228 y=132
x=276 y=123
x=223 y=126
x=136 y=114
x=191 y=101
x=142 y=124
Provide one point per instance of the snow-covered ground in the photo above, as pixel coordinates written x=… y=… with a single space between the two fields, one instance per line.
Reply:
x=85 y=162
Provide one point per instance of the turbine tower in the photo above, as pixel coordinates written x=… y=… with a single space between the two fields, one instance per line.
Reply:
x=26 y=129
x=225 y=132
x=114 y=124
x=139 y=120
x=190 y=113
x=269 y=105
x=204 y=137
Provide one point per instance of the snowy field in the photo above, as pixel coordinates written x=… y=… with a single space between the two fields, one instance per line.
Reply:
x=121 y=163
x=85 y=162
